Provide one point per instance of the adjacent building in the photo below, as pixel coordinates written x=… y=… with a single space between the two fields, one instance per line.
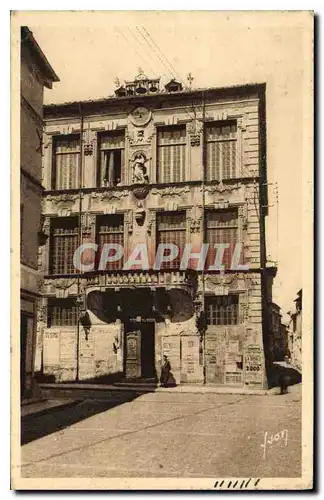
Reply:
x=36 y=73
x=295 y=332
x=278 y=341
x=145 y=167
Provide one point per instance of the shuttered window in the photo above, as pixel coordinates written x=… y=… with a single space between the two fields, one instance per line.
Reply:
x=171 y=154
x=221 y=150
x=62 y=312
x=111 y=158
x=171 y=228
x=110 y=229
x=64 y=242
x=222 y=310
x=66 y=162
x=221 y=227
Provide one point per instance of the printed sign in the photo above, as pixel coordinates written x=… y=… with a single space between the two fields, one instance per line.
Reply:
x=190 y=355
x=253 y=366
x=51 y=353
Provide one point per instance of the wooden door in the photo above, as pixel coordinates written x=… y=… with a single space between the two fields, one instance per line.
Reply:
x=133 y=354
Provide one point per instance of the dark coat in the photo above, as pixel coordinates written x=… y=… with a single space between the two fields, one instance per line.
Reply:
x=166 y=367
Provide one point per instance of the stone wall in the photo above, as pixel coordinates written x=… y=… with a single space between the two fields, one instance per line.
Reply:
x=100 y=352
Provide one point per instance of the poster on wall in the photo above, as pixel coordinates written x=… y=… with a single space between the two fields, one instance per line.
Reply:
x=189 y=355
x=68 y=348
x=233 y=372
x=253 y=366
x=171 y=348
x=51 y=352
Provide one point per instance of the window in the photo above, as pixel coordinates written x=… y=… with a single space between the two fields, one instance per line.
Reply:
x=222 y=310
x=64 y=242
x=221 y=227
x=221 y=140
x=171 y=228
x=66 y=162
x=62 y=312
x=171 y=154
x=111 y=158
x=110 y=229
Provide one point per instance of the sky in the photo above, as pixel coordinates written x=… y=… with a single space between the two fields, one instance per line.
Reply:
x=89 y=51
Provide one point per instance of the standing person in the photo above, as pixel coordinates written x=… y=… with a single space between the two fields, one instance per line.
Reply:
x=165 y=370
x=284 y=378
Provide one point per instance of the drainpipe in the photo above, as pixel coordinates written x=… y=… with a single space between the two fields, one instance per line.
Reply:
x=79 y=236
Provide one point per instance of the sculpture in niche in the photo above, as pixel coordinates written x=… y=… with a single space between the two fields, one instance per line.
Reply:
x=140 y=175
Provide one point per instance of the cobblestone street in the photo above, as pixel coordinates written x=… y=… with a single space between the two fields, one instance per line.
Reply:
x=168 y=435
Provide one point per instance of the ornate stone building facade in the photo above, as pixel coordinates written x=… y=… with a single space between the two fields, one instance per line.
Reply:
x=36 y=73
x=145 y=167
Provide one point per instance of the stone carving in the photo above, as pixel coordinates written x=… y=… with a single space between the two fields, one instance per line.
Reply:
x=242 y=214
x=64 y=283
x=195 y=220
x=140 y=213
x=46 y=225
x=128 y=221
x=150 y=222
x=171 y=191
x=62 y=198
x=87 y=223
x=139 y=138
x=140 y=192
x=109 y=195
x=88 y=148
x=42 y=313
x=195 y=139
x=140 y=175
x=221 y=188
x=241 y=123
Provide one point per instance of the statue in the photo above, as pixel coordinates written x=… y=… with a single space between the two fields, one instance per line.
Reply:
x=139 y=169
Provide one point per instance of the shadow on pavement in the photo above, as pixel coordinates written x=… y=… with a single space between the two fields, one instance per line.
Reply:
x=38 y=425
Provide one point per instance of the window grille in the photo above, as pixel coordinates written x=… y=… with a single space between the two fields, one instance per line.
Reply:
x=222 y=310
x=64 y=242
x=111 y=158
x=171 y=157
x=62 y=312
x=222 y=227
x=110 y=230
x=171 y=228
x=66 y=162
x=221 y=150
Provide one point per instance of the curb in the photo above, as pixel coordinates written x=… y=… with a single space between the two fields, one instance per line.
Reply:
x=43 y=411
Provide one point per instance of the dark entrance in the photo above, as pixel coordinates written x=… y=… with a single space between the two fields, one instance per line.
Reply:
x=139 y=350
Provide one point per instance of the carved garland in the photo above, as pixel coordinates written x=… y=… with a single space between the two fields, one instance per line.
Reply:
x=109 y=195
x=171 y=191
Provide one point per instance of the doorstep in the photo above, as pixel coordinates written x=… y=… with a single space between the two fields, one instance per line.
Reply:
x=183 y=388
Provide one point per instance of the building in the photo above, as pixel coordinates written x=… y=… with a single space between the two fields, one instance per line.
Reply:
x=36 y=73
x=295 y=332
x=152 y=166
